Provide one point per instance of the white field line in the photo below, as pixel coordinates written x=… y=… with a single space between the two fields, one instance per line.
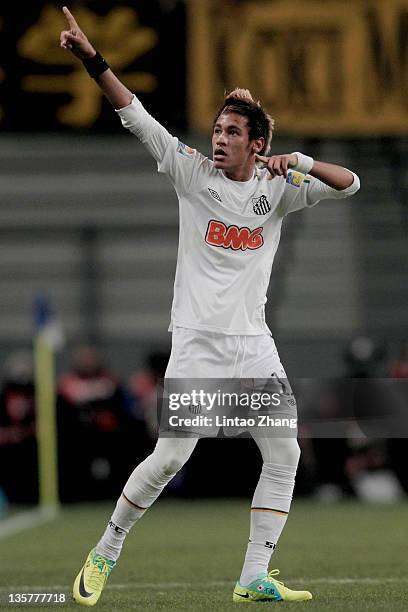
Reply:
x=211 y=583
x=26 y=520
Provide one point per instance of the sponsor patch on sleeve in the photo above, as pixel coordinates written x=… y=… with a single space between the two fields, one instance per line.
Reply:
x=183 y=149
x=295 y=178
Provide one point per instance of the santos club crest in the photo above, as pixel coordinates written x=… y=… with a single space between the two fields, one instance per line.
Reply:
x=261 y=205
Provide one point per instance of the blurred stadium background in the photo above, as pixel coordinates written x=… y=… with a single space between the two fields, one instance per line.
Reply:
x=89 y=229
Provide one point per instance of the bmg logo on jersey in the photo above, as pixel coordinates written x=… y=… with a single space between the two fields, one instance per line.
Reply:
x=233 y=237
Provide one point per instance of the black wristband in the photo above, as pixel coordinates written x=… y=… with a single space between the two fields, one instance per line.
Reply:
x=96 y=65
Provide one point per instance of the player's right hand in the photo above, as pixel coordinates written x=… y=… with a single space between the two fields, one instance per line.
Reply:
x=74 y=39
x=277 y=165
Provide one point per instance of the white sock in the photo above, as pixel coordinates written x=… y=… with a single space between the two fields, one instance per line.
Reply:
x=144 y=486
x=269 y=511
x=123 y=518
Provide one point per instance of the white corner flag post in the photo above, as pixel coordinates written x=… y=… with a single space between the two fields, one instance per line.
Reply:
x=46 y=338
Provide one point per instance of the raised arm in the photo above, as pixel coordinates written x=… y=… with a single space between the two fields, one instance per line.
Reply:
x=76 y=41
x=131 y=111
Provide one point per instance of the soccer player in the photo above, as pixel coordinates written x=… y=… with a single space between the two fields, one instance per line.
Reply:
x=231 y=212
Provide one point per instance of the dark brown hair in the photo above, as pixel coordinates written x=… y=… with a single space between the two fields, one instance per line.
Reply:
x=260 y=124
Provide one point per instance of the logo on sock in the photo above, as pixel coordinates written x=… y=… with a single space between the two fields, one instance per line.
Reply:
x=116 y=528
x=270 y=545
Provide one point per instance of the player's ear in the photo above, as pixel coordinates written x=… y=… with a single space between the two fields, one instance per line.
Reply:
x=258 y=145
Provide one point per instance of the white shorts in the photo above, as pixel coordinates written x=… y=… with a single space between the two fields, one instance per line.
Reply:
x=228 y=363
x=199 y=354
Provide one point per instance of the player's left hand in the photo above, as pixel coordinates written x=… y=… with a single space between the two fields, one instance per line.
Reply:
x=277 y=165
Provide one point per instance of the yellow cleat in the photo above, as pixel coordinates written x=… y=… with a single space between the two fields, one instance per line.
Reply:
x=90 y=581
x=267 y=588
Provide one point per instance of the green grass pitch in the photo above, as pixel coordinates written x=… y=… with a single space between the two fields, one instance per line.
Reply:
x=186 y=555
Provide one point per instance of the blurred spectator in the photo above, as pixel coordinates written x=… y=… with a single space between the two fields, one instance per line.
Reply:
x=376 y=466
x=354 y=405
x=369 y=471
x=143 y=388
x=400 y=368
x=98 y=439
x=18 y=447
x=398 y=447
x=325 y=454
x=364 y=357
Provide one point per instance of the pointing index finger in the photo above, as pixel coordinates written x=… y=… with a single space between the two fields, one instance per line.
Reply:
x=262 y=158
x=70 y=17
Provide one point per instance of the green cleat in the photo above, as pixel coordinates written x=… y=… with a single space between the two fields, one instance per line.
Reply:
x=92 y=578
x=266 y=589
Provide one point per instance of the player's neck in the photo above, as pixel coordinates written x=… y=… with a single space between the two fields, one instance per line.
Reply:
x=240 y=174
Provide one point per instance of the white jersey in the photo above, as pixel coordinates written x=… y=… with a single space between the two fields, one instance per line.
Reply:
x=229 y=230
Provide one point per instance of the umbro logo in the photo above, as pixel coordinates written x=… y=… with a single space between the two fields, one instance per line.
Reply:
x=261 y=205
x=214 y=194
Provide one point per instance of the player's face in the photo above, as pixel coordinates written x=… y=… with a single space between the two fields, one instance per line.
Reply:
x=233 y=151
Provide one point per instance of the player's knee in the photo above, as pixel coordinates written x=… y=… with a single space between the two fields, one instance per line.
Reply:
x=287 y=452
x=296 y=452
x=170 y=455
x=281 y=451
x=293 y=453
x=172 y=465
